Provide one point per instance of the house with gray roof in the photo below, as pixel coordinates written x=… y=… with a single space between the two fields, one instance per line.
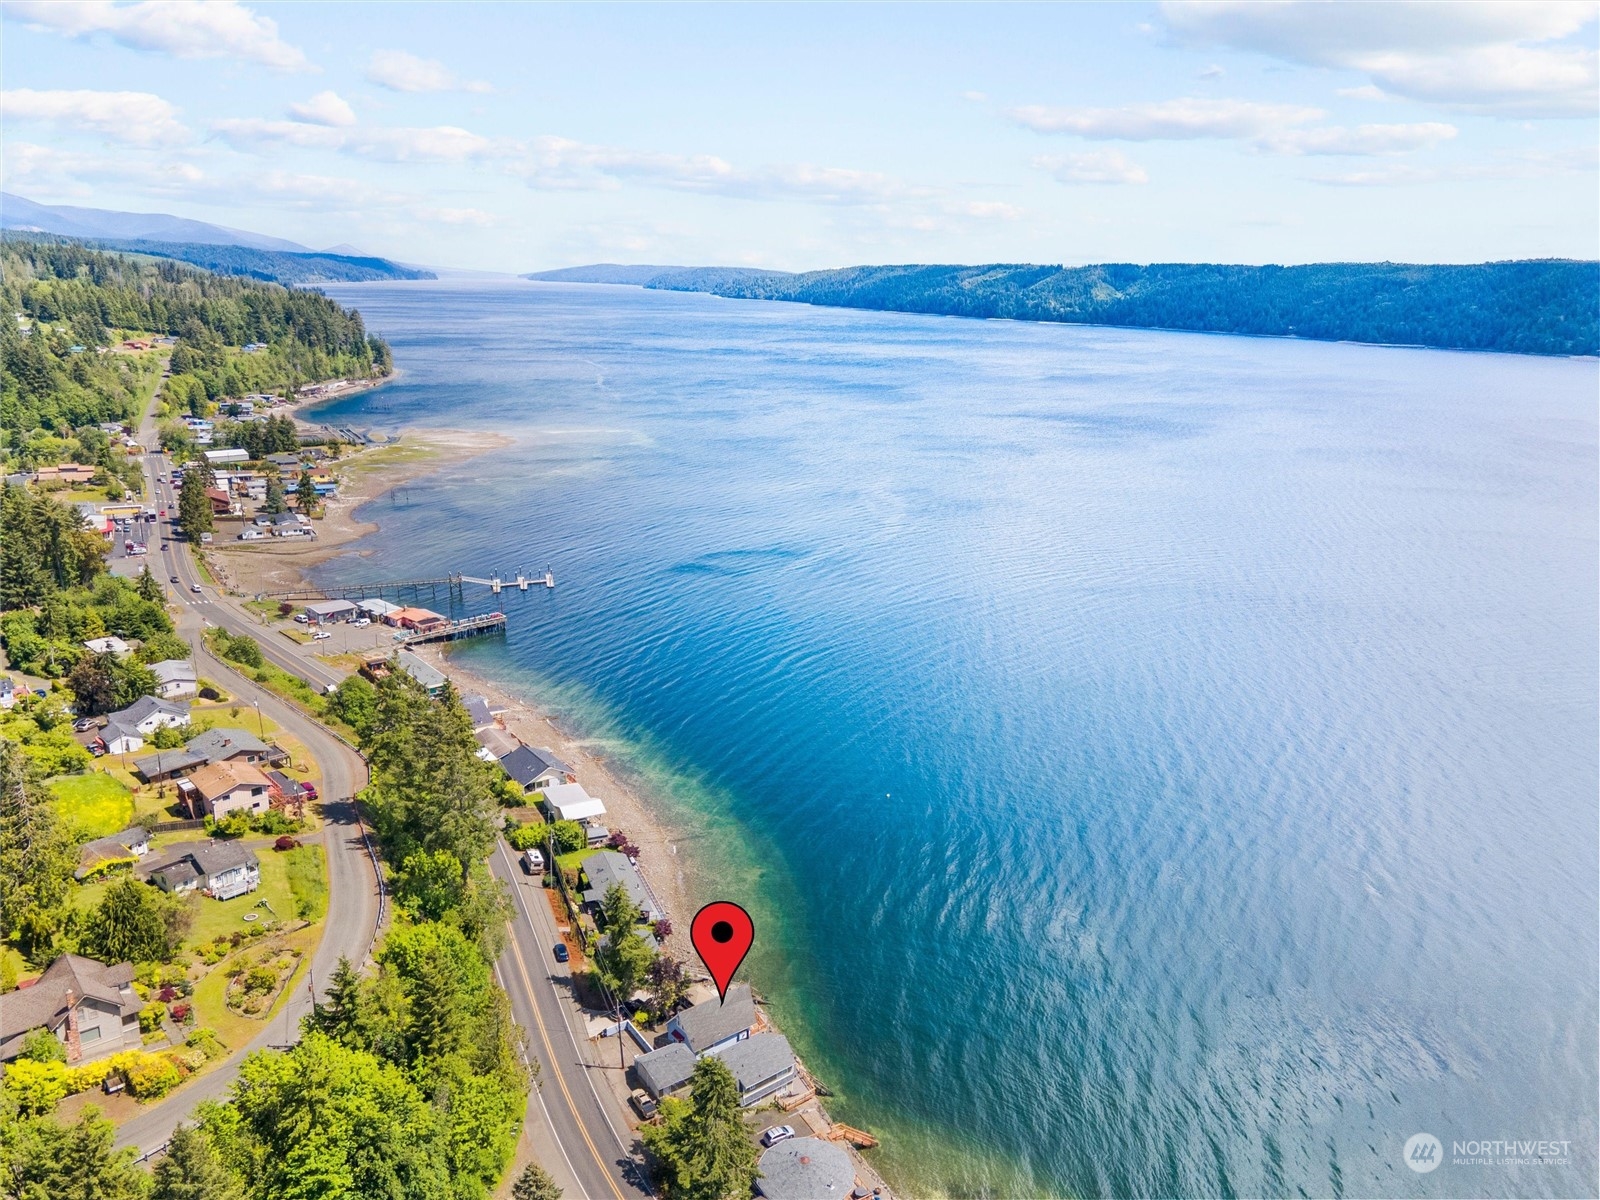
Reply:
x=534 y=770
x=224 y=869
x=175 y=677
x=424 y=672
x=131 y=843
x=90 y=1007
x=608 y=868
x=212 y=746
x=665 y=1072
x=713 y=1025
x=805 y=1169
x=478 y=710
x=126 y=730
x=325 y=612
x=763 y=1065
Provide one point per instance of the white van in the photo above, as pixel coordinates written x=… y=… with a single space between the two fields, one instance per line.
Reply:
x=533 y=862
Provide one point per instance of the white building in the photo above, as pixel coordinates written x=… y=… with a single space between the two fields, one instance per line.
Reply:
x=175 y=677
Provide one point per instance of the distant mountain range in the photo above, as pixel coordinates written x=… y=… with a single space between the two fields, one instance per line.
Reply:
x=1544 y=306
x=216 y=248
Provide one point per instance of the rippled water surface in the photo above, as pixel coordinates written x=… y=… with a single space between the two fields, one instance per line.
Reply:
x=1159 y=764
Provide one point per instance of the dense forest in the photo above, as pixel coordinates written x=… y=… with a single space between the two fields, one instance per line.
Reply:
x=274 y=266
x=1547 y=306
x=71 y=300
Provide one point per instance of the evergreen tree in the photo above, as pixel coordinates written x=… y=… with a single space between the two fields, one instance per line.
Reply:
x=149 y=589
x=194 y=506
x=342 y=1015
x=306 y=493
x=191 y=1170
x=702 y=1147
x=134 y=922
x=535 y=1184
x=37 y=856
x=274 y=503
x=42 y=1159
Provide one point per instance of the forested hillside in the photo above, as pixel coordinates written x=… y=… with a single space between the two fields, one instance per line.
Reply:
x=1548 y=306
x=275 y=266
x=72 y=301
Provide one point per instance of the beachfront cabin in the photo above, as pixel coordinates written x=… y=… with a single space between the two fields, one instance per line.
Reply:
x=424 y=672
x=538 y=770
x=175 y=677
x=569 y=802
x=762 y=1065
x=327 y=612
x=223 y=788
x=712 y=1026
x=805 y=1168
x=665 y=1072
x=608 y=868
x=494 y=743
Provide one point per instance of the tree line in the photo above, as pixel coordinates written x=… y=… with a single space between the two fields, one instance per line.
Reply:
x=1546 y=306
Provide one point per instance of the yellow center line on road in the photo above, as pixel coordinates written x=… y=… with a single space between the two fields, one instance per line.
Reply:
x=550 y=1053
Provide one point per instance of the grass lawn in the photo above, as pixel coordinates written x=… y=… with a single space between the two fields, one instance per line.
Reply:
x=210 y=1004
x=218 y=917
x=95 y=803
x=574 y=858
x=308 y=881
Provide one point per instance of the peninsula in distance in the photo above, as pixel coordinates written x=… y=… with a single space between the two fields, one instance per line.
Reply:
x=1541 y=306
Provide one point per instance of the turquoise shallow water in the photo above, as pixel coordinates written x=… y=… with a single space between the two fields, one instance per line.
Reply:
x=1159 y=764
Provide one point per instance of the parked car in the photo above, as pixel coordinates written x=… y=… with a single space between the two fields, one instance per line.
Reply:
x=84 y=724
x=309 y=790
x=302 y=619
x=561 y=952
x=533 y=862
x=361 y=622
x=321 y=635
x=642 y=1103
x=778 y=1133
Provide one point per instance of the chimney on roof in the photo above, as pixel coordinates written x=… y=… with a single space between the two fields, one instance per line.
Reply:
x=74 y=1046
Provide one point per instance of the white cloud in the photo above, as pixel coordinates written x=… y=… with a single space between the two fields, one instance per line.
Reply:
x=1099 y=166
x=1495 y=57
x=1166 y=120
x=139 y=117
x=1212 y=72
x=325 y=108
x=442 y=143
x=400 y=71
x=1373 y=140
x=1521 y=165
x=181 y=28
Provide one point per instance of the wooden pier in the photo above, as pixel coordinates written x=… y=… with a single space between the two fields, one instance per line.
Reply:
x=455 y=630
x=400 y=589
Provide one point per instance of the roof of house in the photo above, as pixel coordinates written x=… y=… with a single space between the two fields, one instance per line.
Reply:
x=215 y=744
x=608 y=868
x=415 y=614
x=665 y=1069
x=118 y=845
x=145 y=707
x=496 y=740
x=168 y=762
x=711 y=1021
x=525 y=764
x=478 y=709
x=174 y=670
x=422 y=671
x=220 y=778
x=806 y=1169
x=376 y=607
x=289 y=787
x=107 y=645
x=114 y=729
x=758 y=1058
x=571 y=803
x=193 y=859
x=45 y=1003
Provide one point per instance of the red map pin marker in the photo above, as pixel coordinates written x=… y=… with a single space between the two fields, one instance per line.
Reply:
x=722 y=933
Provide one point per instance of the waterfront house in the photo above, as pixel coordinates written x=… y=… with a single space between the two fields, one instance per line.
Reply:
x=222 y=869
x=175 y=677
x=424 y=672
x=494 y=743
x=569 y=802
x=712 y=1026
x=89 y=1007
x=222 y=788
x=534 y=770
x=665 y=1072
x=126 y=730
x=326 y=612
x=478 y=711
x=108 y=645
x=762 y=1064
x=131 y=844
x=608 y=868
x=805 y=1168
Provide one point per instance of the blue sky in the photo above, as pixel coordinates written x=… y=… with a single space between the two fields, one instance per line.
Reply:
x=516 y=138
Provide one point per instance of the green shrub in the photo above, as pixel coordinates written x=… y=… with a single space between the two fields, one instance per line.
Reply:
x=526 y=837
x=207 y=1042
x=150 y=1016
x=152 y=1076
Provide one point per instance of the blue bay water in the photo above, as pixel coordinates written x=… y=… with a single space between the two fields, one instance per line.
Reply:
x=1158 y=764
